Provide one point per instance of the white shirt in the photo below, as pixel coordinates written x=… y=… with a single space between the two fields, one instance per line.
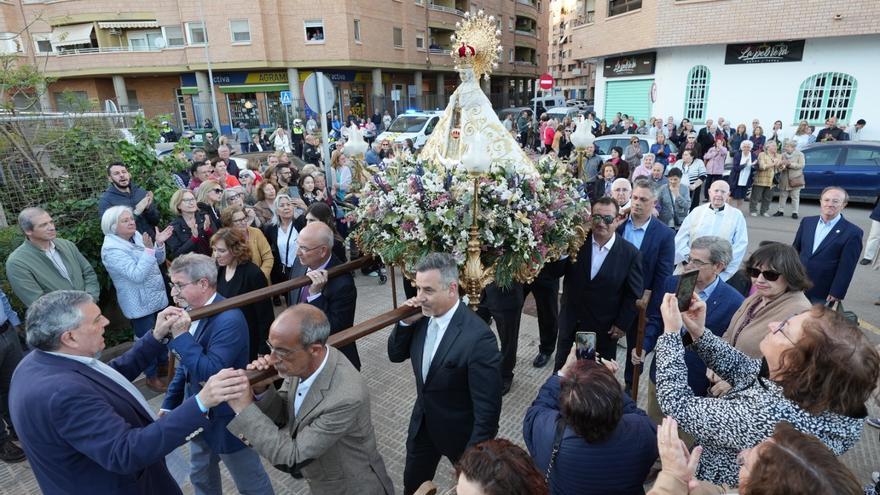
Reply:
x=194 y=325
x=442 y=323
x=599 y=255
x=746 y=163
x=304 y=385
x=728 y=223
x=287 y=244
x=56 y=260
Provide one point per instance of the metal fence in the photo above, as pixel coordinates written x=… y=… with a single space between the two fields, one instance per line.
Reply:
x=48 y=157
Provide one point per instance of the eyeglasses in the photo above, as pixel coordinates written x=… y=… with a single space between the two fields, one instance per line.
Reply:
x=218 y=190
x=188 y=200
x=608 y=219
x=784 y=323
x=179 y=287
x=769 y=275
x=230 y=197
x=239 y=220
x=698 y=263
x=305 y=249
x=281 y=353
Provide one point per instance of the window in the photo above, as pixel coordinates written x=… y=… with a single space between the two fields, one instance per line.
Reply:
x=617 y=7
x=825 y=95
x=420 y=40
x=357 y=30
x=821 y=156
x=240 y=30
x=314 y=31
x=142 y=41
x=863 y=157
x=42 y=42
x=397 y=36
x=72 y=101
x=173 y=36
x=511 y=22
x=196 y=34
x=11 y=43
x=510 y=56
x=696 y=94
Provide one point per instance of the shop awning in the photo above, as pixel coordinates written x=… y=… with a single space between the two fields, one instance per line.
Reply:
x=72 y=34
x=189 y=90
x=254 y=88
x=128 y=24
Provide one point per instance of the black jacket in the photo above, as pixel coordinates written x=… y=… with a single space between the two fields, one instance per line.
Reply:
x=182 y=242
x=146 y=221
x=459 y=402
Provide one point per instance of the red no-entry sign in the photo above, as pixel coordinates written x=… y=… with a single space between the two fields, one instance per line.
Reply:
x=545 y=82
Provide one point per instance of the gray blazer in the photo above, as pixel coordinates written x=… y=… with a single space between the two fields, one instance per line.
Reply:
x=330 y=442
x=673 y=210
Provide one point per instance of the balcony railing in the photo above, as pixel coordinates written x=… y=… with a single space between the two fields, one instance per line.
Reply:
x=108 y=49
x=439 y=51
x=530 y=3
x=525 y=33
x=585 y=19
x=443 y=8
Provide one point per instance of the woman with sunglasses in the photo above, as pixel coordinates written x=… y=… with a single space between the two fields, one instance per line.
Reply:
x=208 y=196
x=192 y=228
x=817 y=373
x=633 y=154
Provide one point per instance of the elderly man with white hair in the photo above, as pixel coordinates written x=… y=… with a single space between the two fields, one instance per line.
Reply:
x=621 y=191
x=715 y=218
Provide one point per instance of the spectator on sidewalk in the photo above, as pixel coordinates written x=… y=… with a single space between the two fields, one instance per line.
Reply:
x=243 y=135
x=123 y=192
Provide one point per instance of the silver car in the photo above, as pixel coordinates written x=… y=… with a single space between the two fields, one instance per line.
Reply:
x=605 y=143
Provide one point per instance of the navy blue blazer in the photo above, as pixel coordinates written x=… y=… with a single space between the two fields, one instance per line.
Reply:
x=658 y=257
x=720 y=308
x=220 y=341
x=832 y=266
x=617 y=465
x=82 y=432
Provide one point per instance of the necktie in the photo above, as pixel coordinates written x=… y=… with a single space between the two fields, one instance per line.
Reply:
x=428 y=350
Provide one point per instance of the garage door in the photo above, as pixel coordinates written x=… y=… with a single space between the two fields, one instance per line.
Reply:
x=630 y=97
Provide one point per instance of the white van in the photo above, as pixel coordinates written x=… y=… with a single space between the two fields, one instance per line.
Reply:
x=411 y=125
x=548 y=101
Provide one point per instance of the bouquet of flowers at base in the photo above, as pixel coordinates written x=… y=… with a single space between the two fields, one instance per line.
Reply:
x=410 y=208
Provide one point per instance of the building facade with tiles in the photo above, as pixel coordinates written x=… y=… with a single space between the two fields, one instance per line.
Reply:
x=787 y=60
x=154 y=55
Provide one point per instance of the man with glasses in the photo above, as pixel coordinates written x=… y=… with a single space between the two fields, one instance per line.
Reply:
x=601 y=288
x=710 y=256
x=715 y=218
x=317 y=425
x=656 y=242
x=336 y=297
x=203 y=348
x=829 y=248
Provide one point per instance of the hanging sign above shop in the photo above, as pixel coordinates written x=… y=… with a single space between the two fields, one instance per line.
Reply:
x=630 y=65
x=767 y=52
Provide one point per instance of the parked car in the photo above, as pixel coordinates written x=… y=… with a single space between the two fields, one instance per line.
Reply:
x=559 y=113
x=516 y=111
x=852 y=165
x=412 y=125
x=580 y=105
x=605 y=143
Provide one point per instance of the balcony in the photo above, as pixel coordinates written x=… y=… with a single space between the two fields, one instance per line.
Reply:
x=449 y=6
x=439 y=40
x=524 y=56
x=526 y=26
x=587 y=18
x=110 y=49
x=114 y=60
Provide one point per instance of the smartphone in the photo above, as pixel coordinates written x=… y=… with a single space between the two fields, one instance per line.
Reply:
x=687 y=282
x=585 y=345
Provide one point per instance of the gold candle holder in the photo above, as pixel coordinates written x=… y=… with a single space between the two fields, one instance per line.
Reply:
x=474 y=276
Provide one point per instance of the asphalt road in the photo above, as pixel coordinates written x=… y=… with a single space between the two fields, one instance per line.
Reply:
x=865 y=287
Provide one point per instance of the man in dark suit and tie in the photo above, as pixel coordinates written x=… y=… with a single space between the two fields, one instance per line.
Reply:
x=457 y=365
x=336 y=297
x=829 y=246
x=601 y=288
x=656 y=243
x=84 y=425
x=203 y=348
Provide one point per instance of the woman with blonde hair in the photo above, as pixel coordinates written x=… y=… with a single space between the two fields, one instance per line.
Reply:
x=235 y=218
x=791 y=178
x=192 y=228
x=802 y=135
x=209 y=196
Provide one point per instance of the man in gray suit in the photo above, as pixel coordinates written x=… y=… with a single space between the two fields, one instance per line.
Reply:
x=323 y=409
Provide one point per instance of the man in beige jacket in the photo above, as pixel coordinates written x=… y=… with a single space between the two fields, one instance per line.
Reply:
x=323 y=409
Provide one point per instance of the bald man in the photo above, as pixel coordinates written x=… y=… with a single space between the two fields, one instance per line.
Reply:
x=715 y=218
x=621 y=191
x=336 y=297
x=318 y=424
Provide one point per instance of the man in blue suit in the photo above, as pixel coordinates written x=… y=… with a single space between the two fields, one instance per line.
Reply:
x=203 y=348
x=656 y=242
x=84 y=426
x=710 y=255
x=829 y=246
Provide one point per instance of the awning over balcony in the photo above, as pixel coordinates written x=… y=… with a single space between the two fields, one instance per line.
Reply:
x=72 y=34
x=128 y=24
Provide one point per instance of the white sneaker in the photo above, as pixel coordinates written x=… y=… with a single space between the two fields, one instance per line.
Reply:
x=753 y=214
x=765 y=214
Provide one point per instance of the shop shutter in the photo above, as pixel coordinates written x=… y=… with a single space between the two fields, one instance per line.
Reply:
x=630 y=97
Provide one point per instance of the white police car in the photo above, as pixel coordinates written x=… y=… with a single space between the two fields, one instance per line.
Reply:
x=411 y=125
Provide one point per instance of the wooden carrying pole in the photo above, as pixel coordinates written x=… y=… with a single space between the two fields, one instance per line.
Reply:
x=640 y=336
x=348 y=336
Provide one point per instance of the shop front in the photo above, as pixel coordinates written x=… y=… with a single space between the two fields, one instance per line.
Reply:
x=627 y=90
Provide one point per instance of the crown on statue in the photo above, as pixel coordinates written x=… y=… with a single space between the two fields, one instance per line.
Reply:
x=478 y=37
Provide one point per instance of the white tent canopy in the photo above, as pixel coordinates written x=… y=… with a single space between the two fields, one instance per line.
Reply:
x=72 y=34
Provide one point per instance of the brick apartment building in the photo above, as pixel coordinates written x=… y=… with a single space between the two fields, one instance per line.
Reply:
x=575 y=79
x=784 y=60
x=154 y=55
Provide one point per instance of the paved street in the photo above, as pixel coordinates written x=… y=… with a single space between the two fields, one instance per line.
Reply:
x=393 y=390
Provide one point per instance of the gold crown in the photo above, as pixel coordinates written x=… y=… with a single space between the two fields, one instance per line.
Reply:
x=478 y=43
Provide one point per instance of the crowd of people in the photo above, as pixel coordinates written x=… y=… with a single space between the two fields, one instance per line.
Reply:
x=767 y=397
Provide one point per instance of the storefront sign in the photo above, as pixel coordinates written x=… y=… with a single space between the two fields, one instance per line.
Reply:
x=630 y=65
x=239 y=78
x=768 y=52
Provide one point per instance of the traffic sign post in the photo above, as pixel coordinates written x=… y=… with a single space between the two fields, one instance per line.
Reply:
x=546 y=82
x=286 y=100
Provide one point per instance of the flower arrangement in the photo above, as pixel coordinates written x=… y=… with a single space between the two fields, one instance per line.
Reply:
x=411 y=208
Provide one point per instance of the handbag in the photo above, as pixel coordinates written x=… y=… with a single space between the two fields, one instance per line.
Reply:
x=849 y=316
x=796 y=182
x=557 y=442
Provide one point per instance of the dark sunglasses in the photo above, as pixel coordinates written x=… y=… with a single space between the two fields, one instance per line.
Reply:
x=608 y=219
x=769 y=275
x=218 y=190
